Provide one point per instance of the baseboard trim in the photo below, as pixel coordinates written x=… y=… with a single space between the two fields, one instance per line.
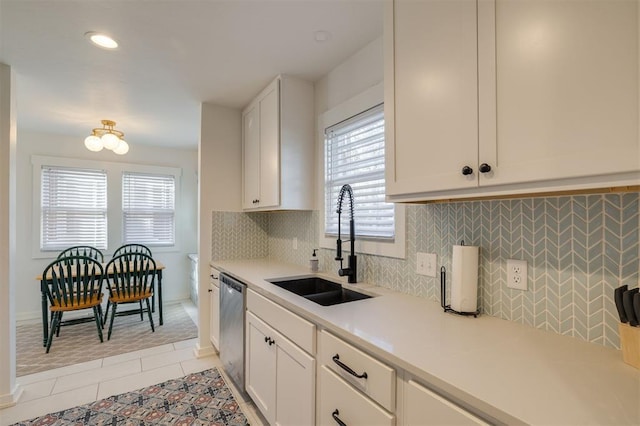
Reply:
x=201 y=352
x=9 y=400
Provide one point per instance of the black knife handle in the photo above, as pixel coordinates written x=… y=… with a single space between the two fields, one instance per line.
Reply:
x=636 y=304
x=627 y=301
x=617 y=297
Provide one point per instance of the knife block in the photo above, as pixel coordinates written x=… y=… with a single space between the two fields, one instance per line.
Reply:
x=630 y=342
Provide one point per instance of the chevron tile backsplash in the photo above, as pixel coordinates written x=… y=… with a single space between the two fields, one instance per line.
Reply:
x=578 y=248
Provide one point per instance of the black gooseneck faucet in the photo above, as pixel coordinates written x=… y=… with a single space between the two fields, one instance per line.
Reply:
x=350 y=271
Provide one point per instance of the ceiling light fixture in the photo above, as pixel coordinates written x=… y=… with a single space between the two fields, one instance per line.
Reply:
x=102 y=40
x=107 y=137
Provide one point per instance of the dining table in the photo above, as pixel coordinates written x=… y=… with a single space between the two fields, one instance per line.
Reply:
x=46 y=281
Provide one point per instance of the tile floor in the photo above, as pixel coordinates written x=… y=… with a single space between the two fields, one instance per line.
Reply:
x=66 y=387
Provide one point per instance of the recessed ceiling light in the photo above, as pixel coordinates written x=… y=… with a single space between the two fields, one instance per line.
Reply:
x=101 y=40
x=322 y=36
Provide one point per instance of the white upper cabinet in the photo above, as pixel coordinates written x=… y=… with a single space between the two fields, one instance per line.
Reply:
x=495 y=97
x=277 y=147
x=436 y=96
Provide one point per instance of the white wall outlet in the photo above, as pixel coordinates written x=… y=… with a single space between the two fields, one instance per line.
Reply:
x=517 y=274
x=295 y=243
x=426 y=264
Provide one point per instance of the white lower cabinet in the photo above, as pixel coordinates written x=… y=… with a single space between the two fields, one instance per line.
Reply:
x=422 y=406
x=339 y=403
x=280 y=377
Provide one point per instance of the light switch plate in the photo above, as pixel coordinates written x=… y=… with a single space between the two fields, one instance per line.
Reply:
x=426 y=264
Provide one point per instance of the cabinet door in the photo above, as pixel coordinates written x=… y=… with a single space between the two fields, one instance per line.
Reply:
x=567 y=90
x=295 y=385
x=251 y=157
x=424 y=407
x=214 y=315
x=261 y=366
x=338 y=399
x=433 y=131
x=270 y=147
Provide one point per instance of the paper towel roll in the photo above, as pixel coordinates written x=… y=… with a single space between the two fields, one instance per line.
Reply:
x=464 y=279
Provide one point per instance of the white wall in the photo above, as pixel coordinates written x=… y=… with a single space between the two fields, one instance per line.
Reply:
x=364 y=69
x=220 y=189
x=175 y=277
x=9 y=391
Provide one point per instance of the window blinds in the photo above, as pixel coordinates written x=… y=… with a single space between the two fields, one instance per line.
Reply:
x=148 y=207
x=73 y=208
x=354 y=154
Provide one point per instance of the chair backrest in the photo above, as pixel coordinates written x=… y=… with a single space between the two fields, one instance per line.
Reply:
x=73 y=280
x=86 y=251
x=132 y=248
x=132 y=275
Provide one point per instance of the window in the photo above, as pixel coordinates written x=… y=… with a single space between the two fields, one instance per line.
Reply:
x=354 y=154
x=73 y=205
x=148 y=207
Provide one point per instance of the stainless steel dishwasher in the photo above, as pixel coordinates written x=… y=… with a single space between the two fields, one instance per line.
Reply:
x=232 y=307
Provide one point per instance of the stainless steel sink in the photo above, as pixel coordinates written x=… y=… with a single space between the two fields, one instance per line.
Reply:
x=318 y=290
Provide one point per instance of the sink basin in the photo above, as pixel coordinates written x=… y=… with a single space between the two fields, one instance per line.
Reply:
x=336 y=297
x=320 y=291
x=306 y=286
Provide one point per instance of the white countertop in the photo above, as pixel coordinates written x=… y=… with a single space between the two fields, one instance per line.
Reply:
x=510 y=371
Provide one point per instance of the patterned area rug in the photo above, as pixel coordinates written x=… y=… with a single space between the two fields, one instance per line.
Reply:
x=79 y=343
x=197 y=399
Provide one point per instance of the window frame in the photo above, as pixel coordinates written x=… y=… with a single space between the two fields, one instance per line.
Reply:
x=173 y=210
x=99 y=212
x=389 y=248
x=114 y=171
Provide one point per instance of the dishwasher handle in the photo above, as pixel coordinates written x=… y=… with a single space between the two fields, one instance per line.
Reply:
x=232 y=285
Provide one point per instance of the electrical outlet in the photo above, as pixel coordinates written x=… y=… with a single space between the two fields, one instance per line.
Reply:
x=426 y=264
x=517 y=274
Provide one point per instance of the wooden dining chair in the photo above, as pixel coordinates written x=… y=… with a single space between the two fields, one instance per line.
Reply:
x=132 y=248
x=87 y=251
x=75 y=283
x=132 y=281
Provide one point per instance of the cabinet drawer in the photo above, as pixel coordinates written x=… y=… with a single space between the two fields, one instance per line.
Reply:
x=425 y=407
x=380 y=383
x=349 y=405
x=297 y=329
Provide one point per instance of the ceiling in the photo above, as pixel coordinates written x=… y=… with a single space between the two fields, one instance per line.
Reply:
x=173 y=55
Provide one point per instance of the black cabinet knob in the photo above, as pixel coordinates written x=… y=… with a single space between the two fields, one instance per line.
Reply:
x=210 y=290
x=484 y=168
x=466 y=170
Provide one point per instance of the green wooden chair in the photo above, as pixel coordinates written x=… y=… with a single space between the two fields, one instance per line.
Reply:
x=75 y=283
x=132 y=248
x=87 y=251
x=132 y=281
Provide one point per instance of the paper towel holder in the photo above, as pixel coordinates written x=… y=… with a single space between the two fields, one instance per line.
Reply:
x=443 y=294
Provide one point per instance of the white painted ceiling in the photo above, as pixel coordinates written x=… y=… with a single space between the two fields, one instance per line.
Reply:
x=173 y=55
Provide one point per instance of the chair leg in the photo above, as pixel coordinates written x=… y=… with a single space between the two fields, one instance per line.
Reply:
x=105 y=318
x=100 y=315
x=59 y=323
x=150 y=316
x=141 y=312
x=54 y=324
x=113 y=315
x=98 y=318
